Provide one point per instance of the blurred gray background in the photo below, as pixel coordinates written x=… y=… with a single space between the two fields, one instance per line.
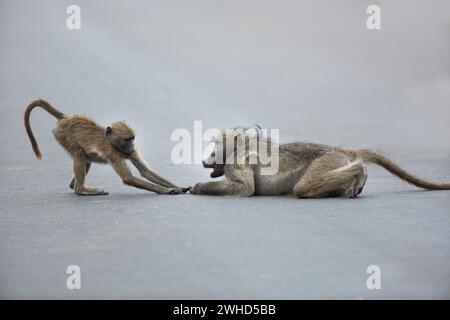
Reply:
x=310 y=68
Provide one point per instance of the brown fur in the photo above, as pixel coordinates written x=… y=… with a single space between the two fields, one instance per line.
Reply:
x=87 y=142
x=306 y=170
x=47 y=107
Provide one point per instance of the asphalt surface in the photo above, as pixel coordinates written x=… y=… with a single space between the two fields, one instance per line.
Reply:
x=311 y=69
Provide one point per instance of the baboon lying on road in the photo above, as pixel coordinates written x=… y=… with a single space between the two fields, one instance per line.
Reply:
x=304 y=169
x=88 y=142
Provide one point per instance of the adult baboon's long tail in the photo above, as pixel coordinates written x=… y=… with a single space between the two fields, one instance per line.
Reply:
x=47 y=107
x=375 y=157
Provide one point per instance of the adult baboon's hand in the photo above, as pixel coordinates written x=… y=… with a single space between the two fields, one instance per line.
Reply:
x=196 y=189
x=178 y=190
x=185 y=189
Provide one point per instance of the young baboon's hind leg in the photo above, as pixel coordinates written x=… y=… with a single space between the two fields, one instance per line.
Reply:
x=334 y=174
x=72 y=182
x=79 y=169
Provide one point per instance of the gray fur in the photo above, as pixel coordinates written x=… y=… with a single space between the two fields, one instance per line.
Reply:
x=306 y=170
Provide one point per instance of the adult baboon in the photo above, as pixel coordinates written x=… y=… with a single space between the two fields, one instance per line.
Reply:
x=306 y=170
x=88 y=142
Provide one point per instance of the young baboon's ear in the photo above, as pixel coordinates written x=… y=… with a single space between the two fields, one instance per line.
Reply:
x=108 y=131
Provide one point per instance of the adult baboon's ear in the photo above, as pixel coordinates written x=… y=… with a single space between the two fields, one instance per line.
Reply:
x=239 y=137
x=254 y=131
x=108 y=131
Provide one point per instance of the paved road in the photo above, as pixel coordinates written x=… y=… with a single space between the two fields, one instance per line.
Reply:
x=311 y=69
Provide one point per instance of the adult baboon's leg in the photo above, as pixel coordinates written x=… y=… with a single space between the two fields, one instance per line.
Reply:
x=72 y=182
x=333 y=174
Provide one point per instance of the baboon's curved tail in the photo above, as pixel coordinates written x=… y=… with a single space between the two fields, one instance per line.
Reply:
x=47 y=107
x=377 y=158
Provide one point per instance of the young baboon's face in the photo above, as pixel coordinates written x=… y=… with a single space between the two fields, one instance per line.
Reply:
x=121 y=136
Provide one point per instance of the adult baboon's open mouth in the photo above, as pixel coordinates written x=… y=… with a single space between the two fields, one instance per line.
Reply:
x=218 y=169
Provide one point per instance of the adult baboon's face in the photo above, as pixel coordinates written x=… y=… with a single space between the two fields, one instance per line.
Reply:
x=216 y=159
x=230 y=146
x=121 y=136
x=210 y=162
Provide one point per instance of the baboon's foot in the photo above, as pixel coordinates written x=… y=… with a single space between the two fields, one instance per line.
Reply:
x=342 y=180
x=358 y=184
x=72 y=184
x=360 y=187
x=351 y=192
x=90 y=192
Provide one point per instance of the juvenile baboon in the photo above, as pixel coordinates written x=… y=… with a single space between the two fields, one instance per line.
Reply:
x=88 y=142
x=306 y=170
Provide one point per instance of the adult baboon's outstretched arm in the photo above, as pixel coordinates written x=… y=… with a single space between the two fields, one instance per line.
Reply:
x=239 y=182
x=222 y=188
x=226 y=187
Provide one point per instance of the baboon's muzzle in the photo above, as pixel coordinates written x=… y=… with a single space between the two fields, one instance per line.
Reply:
x=218 y=169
